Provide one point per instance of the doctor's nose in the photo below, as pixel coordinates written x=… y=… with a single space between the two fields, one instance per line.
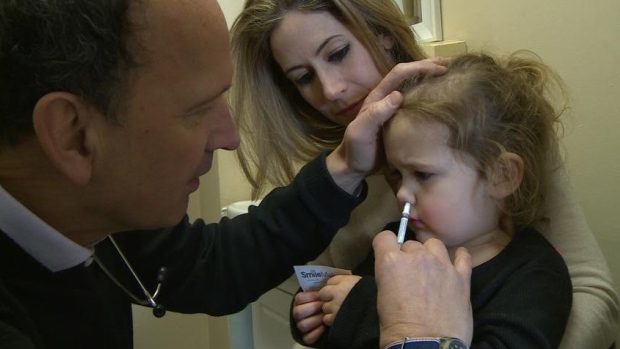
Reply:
x=224 y=134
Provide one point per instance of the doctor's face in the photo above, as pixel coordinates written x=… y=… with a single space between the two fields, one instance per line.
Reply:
x=331 y=69
x=175 y=117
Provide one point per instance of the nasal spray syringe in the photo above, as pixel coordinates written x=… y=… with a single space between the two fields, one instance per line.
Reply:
x=404 y=219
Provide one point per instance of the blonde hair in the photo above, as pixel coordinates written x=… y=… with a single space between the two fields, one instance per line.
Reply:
x=279 y=129
x=492 y=106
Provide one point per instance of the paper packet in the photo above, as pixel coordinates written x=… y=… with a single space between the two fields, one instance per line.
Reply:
x=314 y=277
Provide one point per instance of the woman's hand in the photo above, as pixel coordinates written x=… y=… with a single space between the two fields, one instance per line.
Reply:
x=334 y=293
x=403 y=71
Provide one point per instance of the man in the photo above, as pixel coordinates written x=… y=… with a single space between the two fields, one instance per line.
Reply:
x=110 y=110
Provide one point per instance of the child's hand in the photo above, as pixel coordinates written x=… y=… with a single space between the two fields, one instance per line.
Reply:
x=308 y=316
x=334 y=293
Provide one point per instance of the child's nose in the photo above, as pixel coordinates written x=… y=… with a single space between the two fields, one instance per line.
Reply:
x=405 y=195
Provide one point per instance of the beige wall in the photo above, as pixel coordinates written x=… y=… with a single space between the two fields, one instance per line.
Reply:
x=580 y=40
x=233 y=186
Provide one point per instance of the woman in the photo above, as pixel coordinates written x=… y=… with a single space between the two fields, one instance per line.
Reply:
x=301 y=69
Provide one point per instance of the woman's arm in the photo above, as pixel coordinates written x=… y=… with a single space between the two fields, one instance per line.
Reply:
x=593 y=322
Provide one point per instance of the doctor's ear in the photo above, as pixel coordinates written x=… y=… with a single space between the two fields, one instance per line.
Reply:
x=506 y=175
x=63 y=124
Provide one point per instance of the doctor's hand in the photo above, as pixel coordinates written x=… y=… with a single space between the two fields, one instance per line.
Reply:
x=308 y=316
x=420 y=292
x=361 y=151
x=334 y=293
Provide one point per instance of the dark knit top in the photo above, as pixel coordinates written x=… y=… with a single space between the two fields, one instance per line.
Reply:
x=215 y=269
x=521 y=299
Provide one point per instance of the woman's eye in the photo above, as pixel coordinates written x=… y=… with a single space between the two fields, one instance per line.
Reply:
x=340 y=54
x=423 y=176
x=304 y=79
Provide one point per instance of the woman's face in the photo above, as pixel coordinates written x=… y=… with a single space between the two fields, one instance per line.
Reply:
x=331 y=69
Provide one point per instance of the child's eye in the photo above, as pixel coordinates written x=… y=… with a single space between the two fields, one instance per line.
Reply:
x=423 y=176
x=340 y=54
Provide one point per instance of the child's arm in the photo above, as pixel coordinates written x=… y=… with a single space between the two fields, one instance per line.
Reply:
x=354 y=325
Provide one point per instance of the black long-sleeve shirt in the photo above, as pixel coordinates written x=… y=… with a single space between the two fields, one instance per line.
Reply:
x=212 y=268
x=521 y=298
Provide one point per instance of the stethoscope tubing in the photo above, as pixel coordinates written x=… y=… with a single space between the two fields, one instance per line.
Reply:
x=158 y=309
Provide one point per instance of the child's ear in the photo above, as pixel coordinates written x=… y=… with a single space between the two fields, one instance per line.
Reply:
x=506 y=175
x=62 y=122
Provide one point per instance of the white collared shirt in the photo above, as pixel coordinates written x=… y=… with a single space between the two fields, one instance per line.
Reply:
x=42 y=242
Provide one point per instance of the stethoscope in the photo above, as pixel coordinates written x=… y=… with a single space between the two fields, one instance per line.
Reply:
x=158 y=309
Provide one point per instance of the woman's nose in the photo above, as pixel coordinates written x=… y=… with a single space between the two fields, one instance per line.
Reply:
x=333 y=85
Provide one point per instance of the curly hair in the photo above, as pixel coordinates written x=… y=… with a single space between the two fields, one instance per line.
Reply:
x=492 y=106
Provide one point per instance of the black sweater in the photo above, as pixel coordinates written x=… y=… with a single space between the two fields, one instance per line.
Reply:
x=521 y=298
x=213 y=268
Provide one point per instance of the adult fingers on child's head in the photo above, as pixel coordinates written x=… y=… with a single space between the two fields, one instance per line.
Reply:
x=403 y=71
x=394 y=79
x=434 y=66
x=375 y=114
x=443 y=61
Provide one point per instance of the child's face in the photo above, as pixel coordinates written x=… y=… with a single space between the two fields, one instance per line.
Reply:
x=449 y=200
